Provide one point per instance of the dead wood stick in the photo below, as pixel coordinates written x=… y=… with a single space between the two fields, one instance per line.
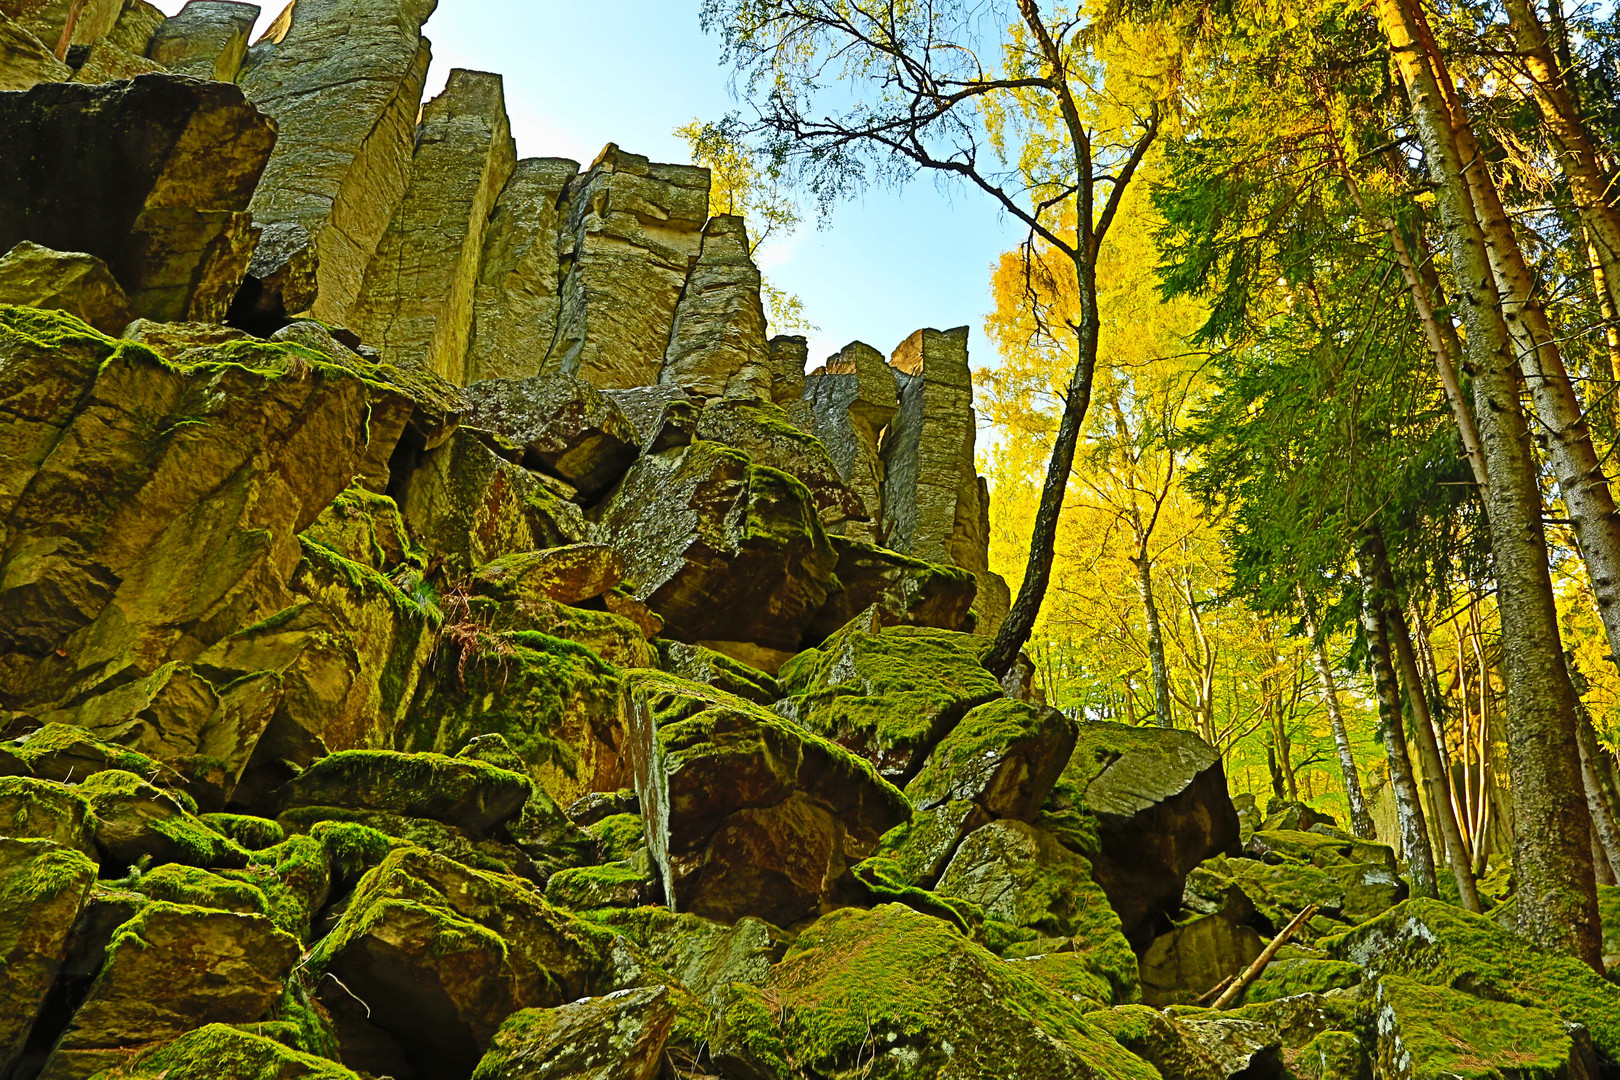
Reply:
x=68 y=28
x=1215 y=990
x=1236 y=989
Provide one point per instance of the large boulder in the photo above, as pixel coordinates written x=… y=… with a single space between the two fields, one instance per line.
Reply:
x=152 y=176
x=457 y=791
x=719 y=326
x=416 y=302
x=1046 y=898
x=343 y=80
x=516 y=301
x=1429 y=1032
x=1160 y=803
x=34 y=809
x=888 y=695
x=633 y=230
x=891 y=993
x=905 y=591
x=192 y=535
x=79 y=284
x=998 y=763
x=1346 y=893
x=136 y=821
x=616 y=1037
x=221 y=1052
x=48 y=19
x=431 y=957
x=763 y=432
x=747 y=814
x=1184 y=965
x=43 y=889
x=470 y=505
x=1439 y=945
x=170 y=969
x=731 y=554
x=557 y=703
x=565 y=426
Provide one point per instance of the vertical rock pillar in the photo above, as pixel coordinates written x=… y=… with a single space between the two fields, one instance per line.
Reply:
x=417 y=301
x=852 y=399
x=343 y=80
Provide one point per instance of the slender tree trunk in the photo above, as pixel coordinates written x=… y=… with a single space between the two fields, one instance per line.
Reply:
x=1576 y=156
x=1155 y=639
x=1436 y=777
x=1607 y=306
x=1408 y=801
x=1605 y=827
x=1552 y=858
x=1361 y=822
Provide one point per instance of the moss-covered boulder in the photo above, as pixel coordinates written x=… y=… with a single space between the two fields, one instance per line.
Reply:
x=203 y=472
x=367 y=528
x=1347 y=893
x=888 y=696
x=456 y=791
x=134 y=821
x=746 y=813
x=498 y=856
x=43 y=889
x=1192 y=1050
x=469 y=505
x=1439 y=945
x=728 y=552
x=1323 y=849
x=1022 y=876
x=1292 y=976
x=893 y=993
x=1159 y=802
x=1430 y=1032
x=701 y=954
x=557 y=703
x=999 y=762
x=902 y=590
x=566 y=575
x=170 y=969
x=617 y=1037
x=430 y=957
x=221 y=1052
x=768 y=436
x=697 y=664
x=1333 y=1055
x=41 y=810
x=202 y=888
x=565 y=426
x=253 y=833
x=622 y=884
x=65 y=753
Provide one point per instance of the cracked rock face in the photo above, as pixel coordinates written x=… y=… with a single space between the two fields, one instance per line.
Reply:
x=151 y=176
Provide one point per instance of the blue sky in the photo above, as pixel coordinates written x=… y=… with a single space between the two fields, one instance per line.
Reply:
x=579 y=75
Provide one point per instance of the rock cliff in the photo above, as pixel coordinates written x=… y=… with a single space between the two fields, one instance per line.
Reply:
x=441 y=636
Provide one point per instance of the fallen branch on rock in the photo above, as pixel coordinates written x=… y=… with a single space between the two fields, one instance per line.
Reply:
x=1234 y=991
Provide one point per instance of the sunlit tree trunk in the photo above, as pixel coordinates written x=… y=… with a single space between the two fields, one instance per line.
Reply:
x=1361 y=822
x=1436 y=777
x=1408 y=801
x=1155 y=639
x=1552 y=857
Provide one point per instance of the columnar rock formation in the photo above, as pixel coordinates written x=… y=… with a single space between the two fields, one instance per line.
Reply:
x=442 y=637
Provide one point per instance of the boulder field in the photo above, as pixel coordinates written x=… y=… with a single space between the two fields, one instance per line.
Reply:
x=443 y=637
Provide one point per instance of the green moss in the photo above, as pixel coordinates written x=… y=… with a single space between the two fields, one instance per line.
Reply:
x=1285 y=978
x=885 y=880
x=221 y=1052
x=253 y=833
x=1070 y=974
x=619 y=836
x=893 y=978
x=199 y=888
x=48 y=874
x=366 y=582
x=1446 y=1033
x=895 y=694
x=1443 y=946
x=351 y=849
x=114 y=794
x=87 y=753
x=584 y=888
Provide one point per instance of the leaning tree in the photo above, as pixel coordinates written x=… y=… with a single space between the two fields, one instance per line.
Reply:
x=1006 y=96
